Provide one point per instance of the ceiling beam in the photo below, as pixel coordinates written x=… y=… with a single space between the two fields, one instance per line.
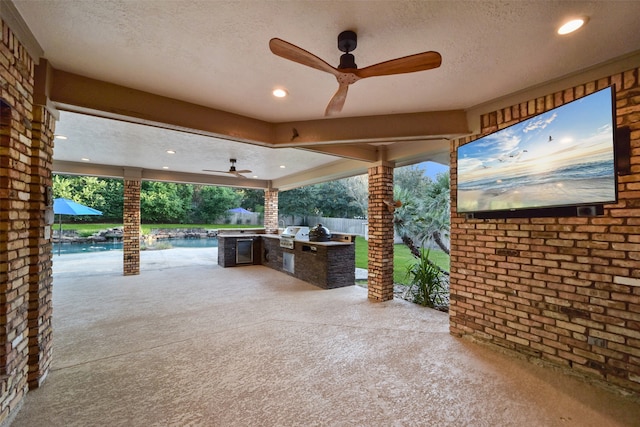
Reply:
x=368 y=129
x=363 y=152
x=409 y=153
x=107 y=171
x=337 y=170
x=72 y=92
x=80 y=94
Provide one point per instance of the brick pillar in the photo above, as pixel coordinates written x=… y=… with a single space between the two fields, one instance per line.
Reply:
x=380 y=263
x=40 y=247
x=271 y=211
x=16 y=116
x=131 y=223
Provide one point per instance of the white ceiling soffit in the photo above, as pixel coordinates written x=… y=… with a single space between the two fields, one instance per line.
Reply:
x=112 y=142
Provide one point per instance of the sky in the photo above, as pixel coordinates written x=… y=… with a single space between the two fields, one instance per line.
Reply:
x=431 y=169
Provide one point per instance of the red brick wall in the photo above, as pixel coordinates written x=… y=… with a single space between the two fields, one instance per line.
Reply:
x=380 y=262
x=131 y=227
x=564 y=290
x=40 y=245
x=26 y=147
x=271 y=211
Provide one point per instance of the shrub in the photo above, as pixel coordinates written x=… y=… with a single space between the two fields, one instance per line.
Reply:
x=427 y=283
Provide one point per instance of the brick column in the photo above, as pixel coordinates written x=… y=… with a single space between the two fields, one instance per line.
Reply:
x=271 y=211
x=131 y=223
x=380 y=263
x=40 y=247
x=16 y=193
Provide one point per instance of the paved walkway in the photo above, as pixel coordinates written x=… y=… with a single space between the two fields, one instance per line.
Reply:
x=201 y=345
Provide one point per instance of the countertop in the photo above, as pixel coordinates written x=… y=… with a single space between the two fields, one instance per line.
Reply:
x=277 y=236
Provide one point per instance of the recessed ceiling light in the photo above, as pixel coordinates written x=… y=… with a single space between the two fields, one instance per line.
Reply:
x=282 y=166
x=165 y=167
x=255 y=176
x=85 y=159
x=60 y=137
x=571 y=26
x=279 y=93
x=171 y=152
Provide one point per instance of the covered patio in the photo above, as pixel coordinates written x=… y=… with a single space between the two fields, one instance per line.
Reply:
x=196 y=344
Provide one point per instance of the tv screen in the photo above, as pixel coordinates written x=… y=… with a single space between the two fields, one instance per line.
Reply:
x=563 y=157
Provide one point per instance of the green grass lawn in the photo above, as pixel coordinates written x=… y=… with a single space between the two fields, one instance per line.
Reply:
x=402 y=258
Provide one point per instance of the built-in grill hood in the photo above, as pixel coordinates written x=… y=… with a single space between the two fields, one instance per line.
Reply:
x=292 y=233
x=295 y=232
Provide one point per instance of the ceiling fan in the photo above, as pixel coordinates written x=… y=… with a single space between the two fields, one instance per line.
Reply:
x=232 y=170
x=347 y=72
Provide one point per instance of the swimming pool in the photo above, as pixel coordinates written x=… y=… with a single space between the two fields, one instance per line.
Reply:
x=75 y=248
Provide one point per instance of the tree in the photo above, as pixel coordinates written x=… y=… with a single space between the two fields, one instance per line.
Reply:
x=425 y=211
x=104 y=194
x=297 y=202
x=437 y=223
x=252 y=200
x=212 y=203
x=329 y=199
x=163 y=202
x=358 y=190
x=412 y=179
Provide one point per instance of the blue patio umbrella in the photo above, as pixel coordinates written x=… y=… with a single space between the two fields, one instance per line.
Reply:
x=240 y=210
x=69 y=207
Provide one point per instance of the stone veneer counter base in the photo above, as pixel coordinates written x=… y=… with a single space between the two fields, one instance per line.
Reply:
x=327 y=265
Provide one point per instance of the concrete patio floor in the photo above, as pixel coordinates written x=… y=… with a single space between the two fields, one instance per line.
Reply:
x=193 y=344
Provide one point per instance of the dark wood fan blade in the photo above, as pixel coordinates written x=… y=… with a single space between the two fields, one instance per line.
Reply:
x=337 y=102
x=211 y=170
x=244 y=171
x=407 y=64
x=294 y=53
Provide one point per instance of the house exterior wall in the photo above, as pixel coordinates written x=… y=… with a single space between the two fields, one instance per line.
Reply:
x=563 y=290
x=26 y=147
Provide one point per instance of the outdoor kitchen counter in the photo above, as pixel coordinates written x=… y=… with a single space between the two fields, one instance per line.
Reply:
x=324 y=264
x=307 y=241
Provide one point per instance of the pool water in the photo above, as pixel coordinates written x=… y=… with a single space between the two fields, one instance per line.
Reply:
x=75 y=248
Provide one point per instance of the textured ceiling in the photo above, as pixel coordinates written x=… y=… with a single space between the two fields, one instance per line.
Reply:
x=216 y=54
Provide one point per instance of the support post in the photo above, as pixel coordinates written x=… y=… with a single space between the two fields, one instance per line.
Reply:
x=271 y=211
x=380 y=264
x=131 y=222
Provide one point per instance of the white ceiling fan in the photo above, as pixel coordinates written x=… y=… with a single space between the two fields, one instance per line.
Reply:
x=232 y=170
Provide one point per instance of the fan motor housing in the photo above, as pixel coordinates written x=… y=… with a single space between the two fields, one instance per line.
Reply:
x=347 y=41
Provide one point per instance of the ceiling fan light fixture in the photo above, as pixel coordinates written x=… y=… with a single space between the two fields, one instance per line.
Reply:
x=280 y=93
x=572 y=25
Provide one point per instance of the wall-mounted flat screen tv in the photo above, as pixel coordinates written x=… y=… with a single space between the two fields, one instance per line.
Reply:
x=563 y=157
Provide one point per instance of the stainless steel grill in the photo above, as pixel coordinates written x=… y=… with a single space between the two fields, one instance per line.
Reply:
x=293 y=233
